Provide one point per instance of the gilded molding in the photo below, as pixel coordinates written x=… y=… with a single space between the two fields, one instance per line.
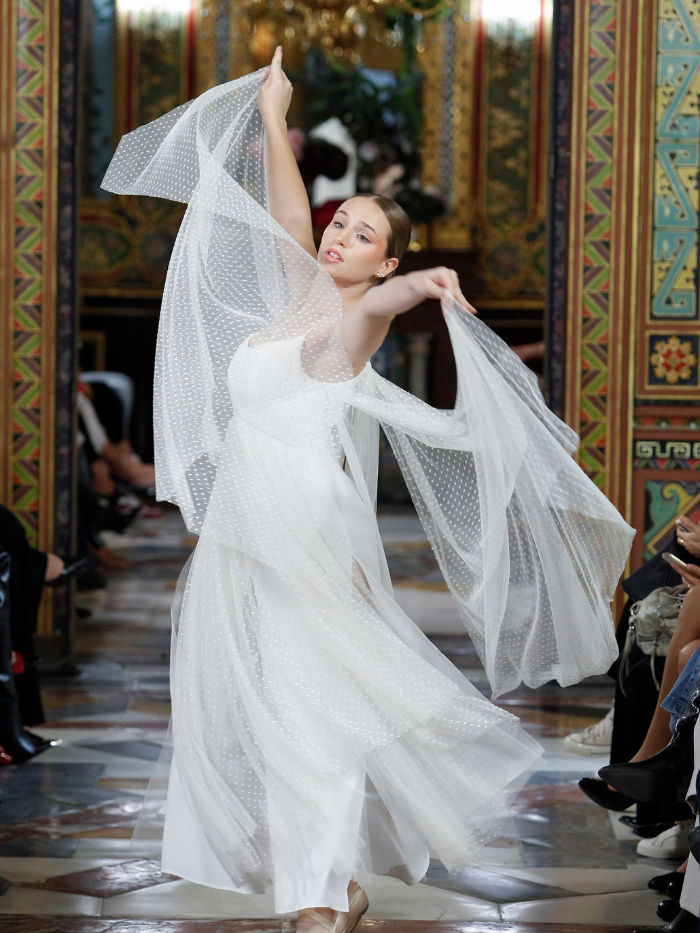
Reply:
x=448 y=63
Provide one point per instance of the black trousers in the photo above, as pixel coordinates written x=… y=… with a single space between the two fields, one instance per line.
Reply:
x=27 y=571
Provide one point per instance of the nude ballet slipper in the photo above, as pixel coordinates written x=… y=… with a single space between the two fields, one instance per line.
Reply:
x=338 y=925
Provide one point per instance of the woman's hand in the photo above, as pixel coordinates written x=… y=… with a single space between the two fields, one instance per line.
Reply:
x=690 y=575
x=688 y=534
x=438 y=283
x=275 y=95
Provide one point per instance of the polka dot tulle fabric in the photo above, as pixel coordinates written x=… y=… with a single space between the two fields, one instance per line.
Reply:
x=317 y=731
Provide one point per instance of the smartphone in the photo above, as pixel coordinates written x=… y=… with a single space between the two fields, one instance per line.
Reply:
x=674 y=561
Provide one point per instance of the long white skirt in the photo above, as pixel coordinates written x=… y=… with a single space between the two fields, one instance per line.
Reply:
x=317 y=732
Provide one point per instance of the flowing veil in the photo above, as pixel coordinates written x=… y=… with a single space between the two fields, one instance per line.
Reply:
x=531 y=550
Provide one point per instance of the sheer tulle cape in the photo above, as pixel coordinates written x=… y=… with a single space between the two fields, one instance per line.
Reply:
x=530 y=549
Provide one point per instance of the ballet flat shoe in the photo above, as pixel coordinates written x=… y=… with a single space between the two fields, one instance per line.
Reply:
x=71 y=570
x=668 y=910
x=600 y=793
x=670 y=883
x=645 y=830
x=685 y=922
x=357 y=908
x=338 y=925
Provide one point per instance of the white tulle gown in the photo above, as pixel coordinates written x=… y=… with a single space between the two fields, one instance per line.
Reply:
x=317 y=733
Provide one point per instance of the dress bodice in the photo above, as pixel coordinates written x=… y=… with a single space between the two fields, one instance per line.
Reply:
x=269 y=389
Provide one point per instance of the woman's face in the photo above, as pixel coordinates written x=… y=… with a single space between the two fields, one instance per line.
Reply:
x=354 y=244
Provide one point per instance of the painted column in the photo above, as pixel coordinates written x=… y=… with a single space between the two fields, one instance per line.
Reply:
x=38 y=47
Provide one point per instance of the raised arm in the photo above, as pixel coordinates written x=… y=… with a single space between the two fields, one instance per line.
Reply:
x=289 y=203
x=365 y=325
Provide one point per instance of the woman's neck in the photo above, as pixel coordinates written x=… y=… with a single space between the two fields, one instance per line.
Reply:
x=351 y=294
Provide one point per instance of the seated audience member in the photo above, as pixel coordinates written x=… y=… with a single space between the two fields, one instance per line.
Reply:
x=110 y=460
x=683 y=889
x=108 y=471
x=659 y=773
x=640 y=725
x=25 y=572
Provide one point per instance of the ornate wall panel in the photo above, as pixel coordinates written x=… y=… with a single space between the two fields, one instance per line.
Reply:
x=448 y=61
x=667 y=357
x=632 y=332
x=125 y=243
x=37 y=80
x=512 y=91
x=602 y=259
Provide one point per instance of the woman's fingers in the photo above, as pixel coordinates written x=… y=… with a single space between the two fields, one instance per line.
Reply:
x=690 y=575
x=449 y=280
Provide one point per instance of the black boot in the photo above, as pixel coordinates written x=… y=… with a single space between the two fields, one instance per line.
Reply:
x=659 y=776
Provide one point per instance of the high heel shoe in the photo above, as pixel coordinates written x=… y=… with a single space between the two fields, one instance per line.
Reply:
x=321 y=923
x=357 y=907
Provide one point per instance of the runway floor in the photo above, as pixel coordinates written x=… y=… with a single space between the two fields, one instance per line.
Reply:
x=67 y=817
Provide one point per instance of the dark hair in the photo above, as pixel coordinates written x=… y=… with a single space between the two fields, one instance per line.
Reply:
x=399 y=227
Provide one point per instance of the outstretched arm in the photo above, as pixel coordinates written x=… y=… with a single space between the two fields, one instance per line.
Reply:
x=365 y=326
x=289 y=203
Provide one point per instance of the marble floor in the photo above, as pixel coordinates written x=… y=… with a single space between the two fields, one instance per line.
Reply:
x=67 y=817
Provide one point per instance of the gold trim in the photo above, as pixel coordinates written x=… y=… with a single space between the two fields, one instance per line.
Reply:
x=507 y=304
x=120 y=291
x=572 y=400
x=119 y=312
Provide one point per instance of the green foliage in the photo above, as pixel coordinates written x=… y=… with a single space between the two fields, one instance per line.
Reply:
x=384 y=120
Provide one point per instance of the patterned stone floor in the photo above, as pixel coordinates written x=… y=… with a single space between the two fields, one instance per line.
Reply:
x=67 y=817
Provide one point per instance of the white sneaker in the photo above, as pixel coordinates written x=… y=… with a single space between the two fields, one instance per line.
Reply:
x=671 y=843
x=594 y=740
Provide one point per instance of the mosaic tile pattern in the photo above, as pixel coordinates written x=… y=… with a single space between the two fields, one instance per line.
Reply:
x=33 y=255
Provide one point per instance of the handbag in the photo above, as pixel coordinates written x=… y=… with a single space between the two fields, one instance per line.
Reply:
x=652 y=624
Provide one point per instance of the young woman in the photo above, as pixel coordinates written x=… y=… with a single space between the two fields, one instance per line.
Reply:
x=318 y=734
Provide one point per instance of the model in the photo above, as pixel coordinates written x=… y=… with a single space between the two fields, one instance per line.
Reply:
x=318 y=734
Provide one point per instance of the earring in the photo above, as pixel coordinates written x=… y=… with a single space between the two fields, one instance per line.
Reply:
x=380 y=275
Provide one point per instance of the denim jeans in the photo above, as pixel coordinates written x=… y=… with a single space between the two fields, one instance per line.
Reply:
x=677 y=703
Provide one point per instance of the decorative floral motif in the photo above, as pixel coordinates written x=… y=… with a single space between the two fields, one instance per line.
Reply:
x=673 y=360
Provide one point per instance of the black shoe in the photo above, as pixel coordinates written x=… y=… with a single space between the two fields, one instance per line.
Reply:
x=665 y=883
x=91 y=580
x=600 y=793
x=70 y=571
x=656 y=777
x=668 y=910
x=644 y=830
x=685 y=922
x=40 y=743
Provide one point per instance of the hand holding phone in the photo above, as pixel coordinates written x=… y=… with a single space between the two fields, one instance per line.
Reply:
x=674 y=561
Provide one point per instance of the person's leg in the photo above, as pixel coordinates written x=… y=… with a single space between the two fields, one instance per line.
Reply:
x=685 y=639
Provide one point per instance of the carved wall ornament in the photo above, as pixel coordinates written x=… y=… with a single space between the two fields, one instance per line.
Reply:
x=673 y=360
